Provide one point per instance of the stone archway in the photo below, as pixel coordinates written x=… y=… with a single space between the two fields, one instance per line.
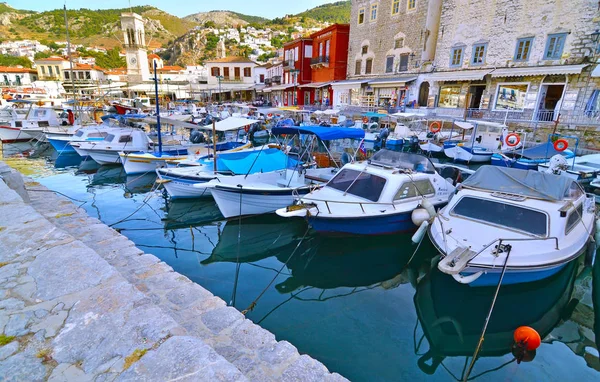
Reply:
x=423 y=94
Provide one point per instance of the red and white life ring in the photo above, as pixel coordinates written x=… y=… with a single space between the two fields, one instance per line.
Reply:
x=435 y=127
x=561 y=145
x=512 y=143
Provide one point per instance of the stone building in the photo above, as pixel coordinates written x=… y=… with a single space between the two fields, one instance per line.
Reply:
x=389 y=41
x=525 y=59
x=232 y=77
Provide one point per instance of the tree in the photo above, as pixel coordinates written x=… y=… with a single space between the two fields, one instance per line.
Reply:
x=40 y=55
x=265 y=56
x=210 y=24
x=6 y=60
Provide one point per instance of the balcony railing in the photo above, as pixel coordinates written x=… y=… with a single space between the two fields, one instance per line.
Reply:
x=267 y=81
x=321 y=60
x=44 y=77
x=287 y=65
x=276 y=79
x=232 y=80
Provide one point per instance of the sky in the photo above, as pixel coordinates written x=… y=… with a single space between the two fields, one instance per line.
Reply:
x=181 y=8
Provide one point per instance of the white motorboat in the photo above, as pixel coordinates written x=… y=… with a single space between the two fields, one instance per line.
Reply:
x=95 y=133
x=377 y=196
x=18 y=127
x=530 y=222
x=486 y=138
x=118 y=140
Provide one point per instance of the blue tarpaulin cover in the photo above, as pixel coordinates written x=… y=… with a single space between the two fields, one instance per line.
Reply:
x=324 y=133
x=527 y=183
x=244 y=162
x=545 y=151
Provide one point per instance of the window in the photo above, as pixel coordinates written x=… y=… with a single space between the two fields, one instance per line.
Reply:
x=523 y=49
x=261 y=78
x=456 y=57
x=226 y=72
x=413 y=189
x=236 y=72
x=502 y=214
x=80 y=75
x=449 y=96
x=479 y=51
x=373 y=12
x=358 y=183
x=369 y=66
x=109 y=138
x=511 y=96
x=43 y=70
x=88 y=76
x=49 y=70
x=412 y=4
x=125 y=139
x=574 y=218
x=395 y=7
x=67 y=75
x=403 y=66
x=361 y=16
x=57 y=71
x=357 y=67
x=399 y=43
x=389 y=64
x=215 y=72
x=364 y=49
x=327 y=46
x=248 y=72
x=554 y=46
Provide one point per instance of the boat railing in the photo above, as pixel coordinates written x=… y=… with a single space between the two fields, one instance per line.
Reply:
x=361 y=204
x=499 y=240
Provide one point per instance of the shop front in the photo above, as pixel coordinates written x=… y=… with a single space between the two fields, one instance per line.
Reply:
x=347 y=93
x=390 y=93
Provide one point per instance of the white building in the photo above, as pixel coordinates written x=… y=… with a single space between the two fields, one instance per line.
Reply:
x=233 y=77
x=52 y=68
x=134 y=43
x=17 y=76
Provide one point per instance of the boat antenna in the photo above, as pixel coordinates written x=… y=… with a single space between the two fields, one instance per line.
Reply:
x=70 y=59
x=157 y=110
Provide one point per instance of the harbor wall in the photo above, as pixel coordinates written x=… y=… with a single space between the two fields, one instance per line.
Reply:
x=78 y=301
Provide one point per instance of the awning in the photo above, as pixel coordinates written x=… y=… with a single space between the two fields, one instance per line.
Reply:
x=348 y=84
x=281 y=87
x=257 y=87
x=596 y=71
x=538 y=70
x=391 y=82
x=324 y=133
x=459 y=75
x=231 y=123
x=315 y=85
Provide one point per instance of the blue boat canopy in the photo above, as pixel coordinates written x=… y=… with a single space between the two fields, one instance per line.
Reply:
x=324 y=133
x=372 y=114
x=528 y=183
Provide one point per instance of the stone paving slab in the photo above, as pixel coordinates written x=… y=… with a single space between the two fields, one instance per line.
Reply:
x=202 y=317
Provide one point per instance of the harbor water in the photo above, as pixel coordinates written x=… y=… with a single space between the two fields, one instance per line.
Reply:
x=371 y=309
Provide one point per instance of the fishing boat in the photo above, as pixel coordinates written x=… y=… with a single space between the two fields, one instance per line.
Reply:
x=266 y=192
x=486 y=138
x=62 y=145
x=528 y=223
x=530 y=158
x=583 y=169
x=13 y=128
x=118 y=140
x=375 y=197
x=189 y=182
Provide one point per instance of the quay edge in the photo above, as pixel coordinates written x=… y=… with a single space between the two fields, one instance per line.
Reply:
x=78 y=301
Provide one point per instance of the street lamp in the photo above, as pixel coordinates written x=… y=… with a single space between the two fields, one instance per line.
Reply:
x=595 y=37
x=294 y=73
x=220 y=78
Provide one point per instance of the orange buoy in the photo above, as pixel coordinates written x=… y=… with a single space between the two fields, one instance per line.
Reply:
x=561 y=145
x=511 y=143
x=435 y=127
x=528 y=337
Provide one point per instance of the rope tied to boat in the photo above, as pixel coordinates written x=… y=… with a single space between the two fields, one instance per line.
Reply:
x=254 y=303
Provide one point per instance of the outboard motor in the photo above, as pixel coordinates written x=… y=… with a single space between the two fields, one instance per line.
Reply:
x=382 y=137
x=413 y=144
x=196 y=136
x=452 y=175
x=557 y=165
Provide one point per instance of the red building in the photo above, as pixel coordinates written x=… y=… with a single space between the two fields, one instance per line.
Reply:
x=328 y=63
x=296 y=70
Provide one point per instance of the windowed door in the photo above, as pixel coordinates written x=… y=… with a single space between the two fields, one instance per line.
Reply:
x=236 y=72
x=549 y=102
x=476 y=95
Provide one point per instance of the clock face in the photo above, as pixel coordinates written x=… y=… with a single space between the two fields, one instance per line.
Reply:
x=132 y=60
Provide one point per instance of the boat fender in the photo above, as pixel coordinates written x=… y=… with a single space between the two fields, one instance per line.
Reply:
x=425 y=203
x=590 y=253
x=527 y=340
x=418 y=236
x=419 y=216
x=467 y=279
x=426 y=368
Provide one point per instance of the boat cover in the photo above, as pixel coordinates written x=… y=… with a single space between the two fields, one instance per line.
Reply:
x=255 y=161
x=544 y=151
x=324 y=133
x=527 y=183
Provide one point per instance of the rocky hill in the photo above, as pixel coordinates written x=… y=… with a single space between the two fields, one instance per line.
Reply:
x=338 y=12
x=224 y=18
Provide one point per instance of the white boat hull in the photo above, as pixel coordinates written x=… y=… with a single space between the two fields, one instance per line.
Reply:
x=251 y=204
x=105 y=156
x=12 y=134
x=142 y=165
x=179 y=189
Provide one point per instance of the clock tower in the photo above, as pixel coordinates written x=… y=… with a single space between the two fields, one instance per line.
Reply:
x=134 y=43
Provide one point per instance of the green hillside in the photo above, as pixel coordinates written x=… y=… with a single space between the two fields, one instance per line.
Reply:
x=338 y=12
x=250 y=19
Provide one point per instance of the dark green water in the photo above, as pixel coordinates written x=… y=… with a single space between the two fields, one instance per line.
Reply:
x=356 y=304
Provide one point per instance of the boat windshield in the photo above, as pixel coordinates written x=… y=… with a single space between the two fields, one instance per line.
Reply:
x=109 y=138
x=79 y=133
x=502 y=214
x=409 y=161
x=357 y=183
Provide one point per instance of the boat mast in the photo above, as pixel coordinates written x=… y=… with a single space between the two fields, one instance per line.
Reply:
x=70 y=59
x=157 y=110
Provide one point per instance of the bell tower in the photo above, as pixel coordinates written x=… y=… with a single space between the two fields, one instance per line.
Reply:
x=134 y=43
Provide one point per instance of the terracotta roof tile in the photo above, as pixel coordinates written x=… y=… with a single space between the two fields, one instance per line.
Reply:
x=240 y=59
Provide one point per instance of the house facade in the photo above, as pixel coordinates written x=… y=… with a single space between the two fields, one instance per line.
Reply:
x=17 y=76
x=231 y=77
x=297 y=71
x=329 y=62
x=52 y=68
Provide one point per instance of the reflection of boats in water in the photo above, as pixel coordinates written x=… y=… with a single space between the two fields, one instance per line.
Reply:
x=260 y=237
x=88 y=167
x=114 y=175
x=67 y=160
x=139 y=184
x=454 y=328
x=108 y=175
x=329 y=263
x=185 y=213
